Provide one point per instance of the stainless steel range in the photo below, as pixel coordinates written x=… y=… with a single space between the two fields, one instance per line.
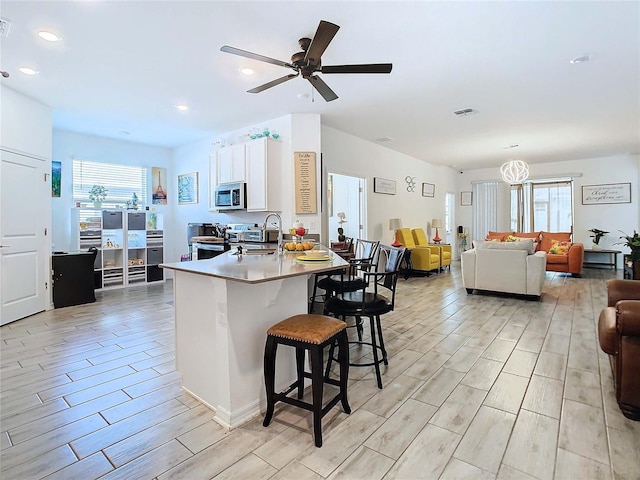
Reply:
x=207 y=240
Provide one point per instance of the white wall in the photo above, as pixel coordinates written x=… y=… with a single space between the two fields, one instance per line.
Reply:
x=612 y=218
x=349 y=155
x=68 y=145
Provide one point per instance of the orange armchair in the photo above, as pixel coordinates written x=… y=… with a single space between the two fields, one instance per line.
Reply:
x=422 y=258
x=420 y=239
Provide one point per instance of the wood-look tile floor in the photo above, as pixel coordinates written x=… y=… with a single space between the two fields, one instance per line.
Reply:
x=477 y=387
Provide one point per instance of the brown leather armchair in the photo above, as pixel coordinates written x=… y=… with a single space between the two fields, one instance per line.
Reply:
x=619 y=335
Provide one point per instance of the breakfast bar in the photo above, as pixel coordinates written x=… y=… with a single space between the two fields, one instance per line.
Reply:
x=223 y=308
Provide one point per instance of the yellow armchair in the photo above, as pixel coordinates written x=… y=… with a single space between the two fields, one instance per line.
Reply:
x=422 y=258
x=420 y=239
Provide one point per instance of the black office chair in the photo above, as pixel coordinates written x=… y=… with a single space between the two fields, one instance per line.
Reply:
x=351 y=280
x=374 y=299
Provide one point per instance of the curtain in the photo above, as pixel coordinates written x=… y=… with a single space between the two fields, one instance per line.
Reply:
x=485 y=209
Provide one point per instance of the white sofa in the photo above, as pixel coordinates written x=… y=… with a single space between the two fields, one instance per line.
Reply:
x=504 y=267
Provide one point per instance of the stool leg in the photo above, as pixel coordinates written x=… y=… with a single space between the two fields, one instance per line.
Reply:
x=300 y=369
x=313 y=296
x=317 y=385
x=384 y=351
x=270 y=377
x=359 y=328
x=343 y=358
x=376 y=363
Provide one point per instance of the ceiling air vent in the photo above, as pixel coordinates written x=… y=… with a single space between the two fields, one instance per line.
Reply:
x=5 y=25
x=465 y=111
x=383 y=139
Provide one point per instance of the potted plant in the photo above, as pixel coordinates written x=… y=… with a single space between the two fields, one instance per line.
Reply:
x=97 y=194
x=633 y=242
x=597 y=235
x=341 y=216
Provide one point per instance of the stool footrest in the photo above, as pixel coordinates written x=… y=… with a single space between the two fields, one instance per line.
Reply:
x=280 y=397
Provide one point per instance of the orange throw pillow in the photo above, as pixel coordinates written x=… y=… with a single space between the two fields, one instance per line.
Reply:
x=560 y=248
x=547 y=237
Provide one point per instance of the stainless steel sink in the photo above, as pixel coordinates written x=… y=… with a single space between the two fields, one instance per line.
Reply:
x=257 y=251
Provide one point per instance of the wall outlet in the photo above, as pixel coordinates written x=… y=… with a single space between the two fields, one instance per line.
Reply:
x=312 y=225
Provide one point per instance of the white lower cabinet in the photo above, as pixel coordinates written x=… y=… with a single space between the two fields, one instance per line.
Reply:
x=264 y=175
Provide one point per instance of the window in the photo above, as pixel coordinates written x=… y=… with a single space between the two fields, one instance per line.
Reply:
x=121 y=182
x=544 y=205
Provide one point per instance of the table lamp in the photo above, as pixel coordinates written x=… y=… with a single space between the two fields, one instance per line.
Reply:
x=395 y=224
x=436 y=223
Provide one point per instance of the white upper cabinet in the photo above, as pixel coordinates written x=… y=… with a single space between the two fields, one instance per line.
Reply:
x=264 y=177
x=231 y=166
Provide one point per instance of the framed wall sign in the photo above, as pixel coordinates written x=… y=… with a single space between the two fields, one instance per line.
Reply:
x=606 y=193
x=382 y=185
x=305 y=182
x=188 y=188
x=466 y=199
x=428 y=190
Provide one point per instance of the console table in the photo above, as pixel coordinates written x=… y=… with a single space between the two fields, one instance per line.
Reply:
x=594 y=257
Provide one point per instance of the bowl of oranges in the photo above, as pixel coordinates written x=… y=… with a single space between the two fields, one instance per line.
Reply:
x=299 y=246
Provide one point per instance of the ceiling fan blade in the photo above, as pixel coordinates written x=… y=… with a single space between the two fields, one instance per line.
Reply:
x=254 y=56
x=272 y=83
x=322 y=88
x=325 y=33
x=363 y=68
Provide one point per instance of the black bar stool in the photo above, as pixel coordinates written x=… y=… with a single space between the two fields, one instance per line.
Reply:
x=376 y=298
x=307 y=333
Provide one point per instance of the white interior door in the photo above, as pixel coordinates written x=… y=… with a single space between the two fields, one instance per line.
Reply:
x=347 y=197
x=24 y=261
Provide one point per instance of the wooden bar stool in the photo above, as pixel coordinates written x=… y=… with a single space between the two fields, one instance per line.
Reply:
x=307 y=333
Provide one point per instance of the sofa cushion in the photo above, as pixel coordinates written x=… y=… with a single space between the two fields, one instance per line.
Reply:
x=526 y=244
x=547 y=237
x=561 y=259
x=560 y=248
x=500 y=236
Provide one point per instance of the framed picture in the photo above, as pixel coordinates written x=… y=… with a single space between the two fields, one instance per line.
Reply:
x=606 y=193
x=158 y=178
x=428 y=190
x=188 y=188
x=56 y=177
x=382 y=185
x=466 y=199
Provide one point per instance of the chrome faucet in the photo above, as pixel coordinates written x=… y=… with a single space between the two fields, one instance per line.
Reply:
x=279 y=229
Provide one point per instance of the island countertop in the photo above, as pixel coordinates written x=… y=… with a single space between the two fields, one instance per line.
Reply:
x=257 y=268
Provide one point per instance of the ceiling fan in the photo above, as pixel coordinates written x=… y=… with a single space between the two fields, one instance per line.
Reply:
x=307 y=62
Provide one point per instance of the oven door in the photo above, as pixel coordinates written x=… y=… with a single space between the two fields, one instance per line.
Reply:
x=202 y=251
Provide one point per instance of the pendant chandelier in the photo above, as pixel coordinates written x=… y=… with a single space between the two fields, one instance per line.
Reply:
x=514 y=171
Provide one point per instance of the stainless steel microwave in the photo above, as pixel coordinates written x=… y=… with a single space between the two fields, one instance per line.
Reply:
x=230 y=196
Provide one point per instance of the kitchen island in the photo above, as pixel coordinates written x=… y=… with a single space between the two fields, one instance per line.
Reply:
x=223 y=308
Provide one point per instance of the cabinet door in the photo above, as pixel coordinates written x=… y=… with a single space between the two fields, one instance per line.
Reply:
x=231 y=164
x=264 y=183
x=257 y=175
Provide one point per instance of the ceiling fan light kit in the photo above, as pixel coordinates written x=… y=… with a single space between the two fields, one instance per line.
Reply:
x=307 y=63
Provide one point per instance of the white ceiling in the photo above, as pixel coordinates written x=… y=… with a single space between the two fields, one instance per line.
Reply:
x=122 y=66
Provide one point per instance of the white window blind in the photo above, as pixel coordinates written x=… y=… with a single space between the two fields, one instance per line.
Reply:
x=121 y=182
x=485 y=208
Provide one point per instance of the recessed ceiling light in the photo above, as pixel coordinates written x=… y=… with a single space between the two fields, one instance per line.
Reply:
x=303 y=96
x=383 y=139
x=580 y=59
x=508 y=147
x=182 y=107
x=48 y=36
x=247 y=71
x=28 y=71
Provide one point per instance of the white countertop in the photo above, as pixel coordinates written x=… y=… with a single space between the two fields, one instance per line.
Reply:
x=251 y=268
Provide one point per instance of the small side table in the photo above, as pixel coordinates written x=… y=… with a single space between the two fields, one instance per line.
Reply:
x=591 y=257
